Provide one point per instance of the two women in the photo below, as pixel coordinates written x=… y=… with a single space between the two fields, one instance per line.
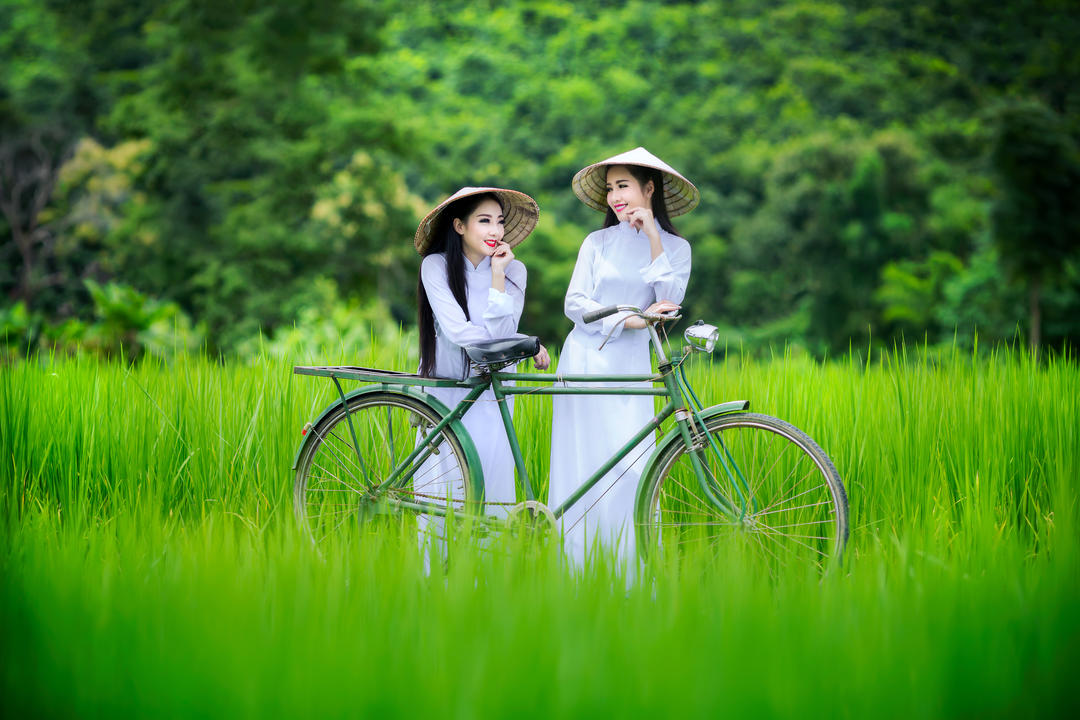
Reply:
x=471 y=288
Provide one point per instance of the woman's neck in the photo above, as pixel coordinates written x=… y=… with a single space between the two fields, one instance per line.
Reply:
x=475 y=260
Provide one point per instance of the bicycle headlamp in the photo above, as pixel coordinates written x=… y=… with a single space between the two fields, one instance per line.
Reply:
x=701 y=336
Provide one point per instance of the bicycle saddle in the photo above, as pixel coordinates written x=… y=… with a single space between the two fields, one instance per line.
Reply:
x=505 y=350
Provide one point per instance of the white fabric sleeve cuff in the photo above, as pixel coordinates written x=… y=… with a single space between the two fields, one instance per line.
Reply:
x=499 y=304
x=615 y=321
x=659 y=269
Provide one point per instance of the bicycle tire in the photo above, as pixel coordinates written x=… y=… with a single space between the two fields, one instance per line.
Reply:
x=332 y=491
x=795 y=513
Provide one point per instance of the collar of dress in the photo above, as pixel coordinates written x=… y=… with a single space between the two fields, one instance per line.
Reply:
x=624 y=227
x=485 y=264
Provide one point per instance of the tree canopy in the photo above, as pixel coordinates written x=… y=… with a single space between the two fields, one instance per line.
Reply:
x=869 y=171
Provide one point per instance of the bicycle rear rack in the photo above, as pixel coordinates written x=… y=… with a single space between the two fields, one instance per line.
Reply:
x=375 y=375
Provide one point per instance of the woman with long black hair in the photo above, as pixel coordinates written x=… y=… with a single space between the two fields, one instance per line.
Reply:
x=636 y=258
x=472 y=289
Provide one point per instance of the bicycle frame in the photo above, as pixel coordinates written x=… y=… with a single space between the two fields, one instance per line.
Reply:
x=691 y=488
x=498 y=381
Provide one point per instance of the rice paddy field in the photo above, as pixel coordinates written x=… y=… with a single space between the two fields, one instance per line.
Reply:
x=150 y=564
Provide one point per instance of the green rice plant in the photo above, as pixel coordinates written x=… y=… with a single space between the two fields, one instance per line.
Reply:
x=150 y=564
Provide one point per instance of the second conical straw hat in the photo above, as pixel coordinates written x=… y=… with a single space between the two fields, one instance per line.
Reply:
x=590 y=183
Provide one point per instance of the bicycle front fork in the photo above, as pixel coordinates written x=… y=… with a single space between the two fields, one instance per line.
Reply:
x=701 y=445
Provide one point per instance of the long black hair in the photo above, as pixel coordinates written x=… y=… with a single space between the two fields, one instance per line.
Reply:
x=446 y=239
x=659 y=208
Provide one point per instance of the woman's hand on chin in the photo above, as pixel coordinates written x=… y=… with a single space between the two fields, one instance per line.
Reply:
x=502 y=257
x=641 y=218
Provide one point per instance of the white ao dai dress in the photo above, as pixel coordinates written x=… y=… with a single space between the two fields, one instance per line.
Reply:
x=492 y=315
x=614 y=267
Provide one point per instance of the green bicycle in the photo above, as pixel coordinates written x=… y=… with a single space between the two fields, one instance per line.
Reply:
x=718 y=475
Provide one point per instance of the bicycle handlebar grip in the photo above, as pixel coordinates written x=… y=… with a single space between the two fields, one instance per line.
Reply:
x=594 y=315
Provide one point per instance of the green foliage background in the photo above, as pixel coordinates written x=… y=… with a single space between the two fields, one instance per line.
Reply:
x=150 y=565
x=247 y=177
x=864 y=166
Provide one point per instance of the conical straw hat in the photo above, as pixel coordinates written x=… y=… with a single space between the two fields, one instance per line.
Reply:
x=590 y=183
x=520 y=215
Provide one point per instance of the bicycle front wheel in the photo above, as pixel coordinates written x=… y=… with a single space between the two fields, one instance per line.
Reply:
x=769 y=492
x=350 y=454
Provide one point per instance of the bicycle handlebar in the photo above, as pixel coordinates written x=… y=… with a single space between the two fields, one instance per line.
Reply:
x=594 y=315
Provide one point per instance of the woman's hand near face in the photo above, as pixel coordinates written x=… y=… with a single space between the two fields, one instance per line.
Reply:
x=501 y=257
x=499 y=260
x=641 y=218
x=542 y=360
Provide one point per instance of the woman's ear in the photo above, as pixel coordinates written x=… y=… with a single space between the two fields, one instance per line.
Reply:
x=459 y=227
x=647 y=191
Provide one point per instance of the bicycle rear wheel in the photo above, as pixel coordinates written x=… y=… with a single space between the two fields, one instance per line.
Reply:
x=788 y=511
x=337 y=477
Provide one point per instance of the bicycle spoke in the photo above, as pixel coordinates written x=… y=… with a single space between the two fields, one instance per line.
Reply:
x=698 y=538
x=761 y=477
x=679 y=511
x=792 y=535
x=341 y=457
x=331 y=471
x=695 y=524
x=390 y=431
x=812 y=522
x=422 y=462
x=781 y=501
x=757 y=539
x=437 y=477
x=688 y=492
x=788 y=552
x=799 y=507
x=773 y=537
x=355 y=489
x=705 y=504
x=793 y=485
x=805 y=521
x=720 y=486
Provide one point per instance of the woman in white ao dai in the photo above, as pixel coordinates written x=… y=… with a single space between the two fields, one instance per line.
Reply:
x=492 y=315
x=471 y=289
x=633 y=260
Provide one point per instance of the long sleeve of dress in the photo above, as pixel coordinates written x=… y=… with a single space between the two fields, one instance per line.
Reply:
x=498 y=321
x=504 y=308
x=579 y=296
x=615 y=266
x=669 y=273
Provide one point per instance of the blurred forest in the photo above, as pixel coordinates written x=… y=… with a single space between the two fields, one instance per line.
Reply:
x=189 y=172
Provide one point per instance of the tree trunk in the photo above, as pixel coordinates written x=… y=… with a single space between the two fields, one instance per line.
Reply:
x=1035 y=327
x=29 y=167
x=25 y=290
